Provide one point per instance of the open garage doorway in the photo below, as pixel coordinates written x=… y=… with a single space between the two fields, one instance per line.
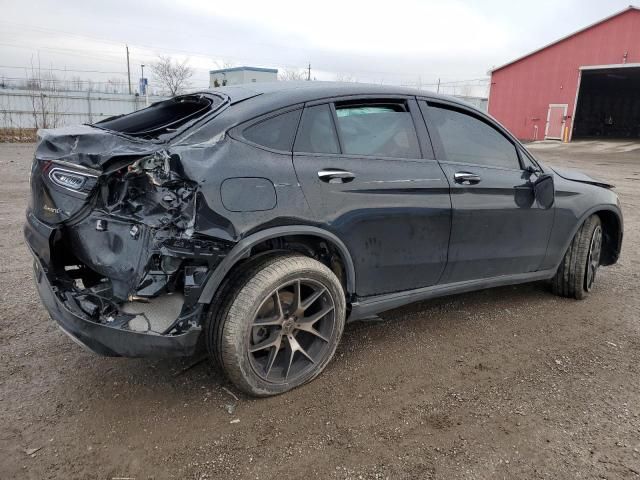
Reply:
x=608 y=103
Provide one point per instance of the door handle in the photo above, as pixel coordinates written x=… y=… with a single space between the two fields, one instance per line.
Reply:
x=335 y=175
x=466 y=178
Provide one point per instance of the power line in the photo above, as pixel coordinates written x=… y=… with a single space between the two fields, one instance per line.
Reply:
x=208 y=55
x=73 y=70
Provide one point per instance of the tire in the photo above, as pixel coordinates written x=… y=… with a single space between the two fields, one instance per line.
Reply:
x=576 y=274
x=262 y=330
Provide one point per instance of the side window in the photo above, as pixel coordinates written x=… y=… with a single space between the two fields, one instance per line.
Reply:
x=383 y=130
x=276 y=132
x=317 y=133
x=468 y=139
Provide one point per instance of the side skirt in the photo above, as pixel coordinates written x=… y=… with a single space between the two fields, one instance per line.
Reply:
x=373 y=305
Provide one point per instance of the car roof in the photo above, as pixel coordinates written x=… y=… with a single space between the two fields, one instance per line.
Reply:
x=285 y=93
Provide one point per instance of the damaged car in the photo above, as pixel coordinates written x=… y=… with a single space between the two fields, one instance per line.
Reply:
x=254 y=221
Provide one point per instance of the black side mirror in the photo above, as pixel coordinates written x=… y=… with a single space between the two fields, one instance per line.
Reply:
x=544 y=190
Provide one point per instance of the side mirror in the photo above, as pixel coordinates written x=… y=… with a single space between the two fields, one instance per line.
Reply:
x=544 y=190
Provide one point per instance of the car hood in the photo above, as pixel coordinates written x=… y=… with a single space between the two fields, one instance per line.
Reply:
x=577 y=176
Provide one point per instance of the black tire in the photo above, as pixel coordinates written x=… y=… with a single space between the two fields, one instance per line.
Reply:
x=576 y=273
x=236 y=327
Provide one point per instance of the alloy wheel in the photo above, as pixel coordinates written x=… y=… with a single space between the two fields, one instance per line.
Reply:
x=292 y=331
x=593 y=260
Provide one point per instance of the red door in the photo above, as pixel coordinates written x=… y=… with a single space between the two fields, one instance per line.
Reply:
x=556 y=118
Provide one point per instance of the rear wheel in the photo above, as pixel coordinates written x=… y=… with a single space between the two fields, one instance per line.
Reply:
x=277 y=324
x=576 y=274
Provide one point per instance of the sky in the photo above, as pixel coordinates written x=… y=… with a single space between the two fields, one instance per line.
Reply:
x=402 y=42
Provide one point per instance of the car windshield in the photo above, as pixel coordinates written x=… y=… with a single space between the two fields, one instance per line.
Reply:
x=163 y=119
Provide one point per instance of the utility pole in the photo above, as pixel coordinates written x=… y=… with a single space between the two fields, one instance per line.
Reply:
x=128 y=69
x=146 y=87
x=309 y=73
x=438 y=91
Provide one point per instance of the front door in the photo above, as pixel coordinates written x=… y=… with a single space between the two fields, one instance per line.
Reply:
x=497 y=226
x=556 y=121
x=364 y=174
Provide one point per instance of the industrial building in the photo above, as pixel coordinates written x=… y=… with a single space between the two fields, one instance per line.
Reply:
x=239 y=75
x=585 y=85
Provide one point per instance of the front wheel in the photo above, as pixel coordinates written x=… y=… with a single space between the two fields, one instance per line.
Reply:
x=277 y=324
x=576 y=274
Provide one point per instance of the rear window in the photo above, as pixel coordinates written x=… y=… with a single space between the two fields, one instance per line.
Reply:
x=276 y=132
x=163 y=118
x=384 y=130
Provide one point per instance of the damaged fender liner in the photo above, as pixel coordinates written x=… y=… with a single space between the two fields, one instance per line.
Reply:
x=109 y=341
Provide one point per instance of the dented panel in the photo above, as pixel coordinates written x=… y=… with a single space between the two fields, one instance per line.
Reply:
x=134 y=225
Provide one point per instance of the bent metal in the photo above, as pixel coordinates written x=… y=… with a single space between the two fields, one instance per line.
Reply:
x=255 y=221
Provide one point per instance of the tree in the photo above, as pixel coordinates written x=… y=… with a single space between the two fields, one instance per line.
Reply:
x=288 y=75
x=76 y=83
x=46 y=102
x=172 y=75
x=224 y=64
x=345 y=77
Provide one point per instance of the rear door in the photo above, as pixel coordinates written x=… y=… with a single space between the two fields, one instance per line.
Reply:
x=367 y=170
x=497 y=226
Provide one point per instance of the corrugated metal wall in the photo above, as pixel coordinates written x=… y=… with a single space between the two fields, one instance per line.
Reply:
x=521 y=92
x=25 y=108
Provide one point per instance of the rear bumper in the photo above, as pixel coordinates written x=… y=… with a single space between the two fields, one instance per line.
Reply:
x=110 y=341
x=99 y=338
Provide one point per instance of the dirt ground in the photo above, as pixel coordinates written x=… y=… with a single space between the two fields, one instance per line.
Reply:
x=508 y=383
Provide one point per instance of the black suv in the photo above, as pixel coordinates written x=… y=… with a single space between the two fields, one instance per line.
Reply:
x=258 y=219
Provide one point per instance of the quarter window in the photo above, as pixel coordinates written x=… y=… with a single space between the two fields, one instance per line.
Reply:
x=317 y=133
x=382 y=130
x=276 y=132
x=467 y=139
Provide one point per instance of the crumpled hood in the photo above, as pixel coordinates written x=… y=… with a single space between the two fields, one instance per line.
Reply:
x=88 y=146
x=577 y=176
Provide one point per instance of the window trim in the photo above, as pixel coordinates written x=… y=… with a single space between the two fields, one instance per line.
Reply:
x=426 y=104
x=237 y=132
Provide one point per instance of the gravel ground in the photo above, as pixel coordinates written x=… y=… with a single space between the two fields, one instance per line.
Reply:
x=506 y=383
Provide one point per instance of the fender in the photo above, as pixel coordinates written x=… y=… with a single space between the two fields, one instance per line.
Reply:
x=243 y=248
x=597 y=208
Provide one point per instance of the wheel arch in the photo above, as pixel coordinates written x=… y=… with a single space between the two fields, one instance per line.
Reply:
x=612 y=223
x=243 y=250
x=612 y=233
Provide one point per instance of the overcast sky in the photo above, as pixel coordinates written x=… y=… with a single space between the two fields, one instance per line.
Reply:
x=399 y=42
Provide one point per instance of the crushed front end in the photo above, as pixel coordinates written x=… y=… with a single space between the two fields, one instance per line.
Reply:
x=118 y=263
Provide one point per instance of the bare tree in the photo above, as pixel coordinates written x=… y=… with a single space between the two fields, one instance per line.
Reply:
x=173 y=76
x=224 y=64
x=345 y=77
x=76 y=83
x=289 y=75
x=115 y=85
x=46 y=103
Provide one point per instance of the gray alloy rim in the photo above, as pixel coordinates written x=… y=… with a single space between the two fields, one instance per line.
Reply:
x=593 y=261
x=292 y=331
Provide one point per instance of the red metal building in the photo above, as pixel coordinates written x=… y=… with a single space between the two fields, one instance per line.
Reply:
x=584 y=85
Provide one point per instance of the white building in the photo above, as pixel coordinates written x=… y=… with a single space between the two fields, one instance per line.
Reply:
x=238 y=75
